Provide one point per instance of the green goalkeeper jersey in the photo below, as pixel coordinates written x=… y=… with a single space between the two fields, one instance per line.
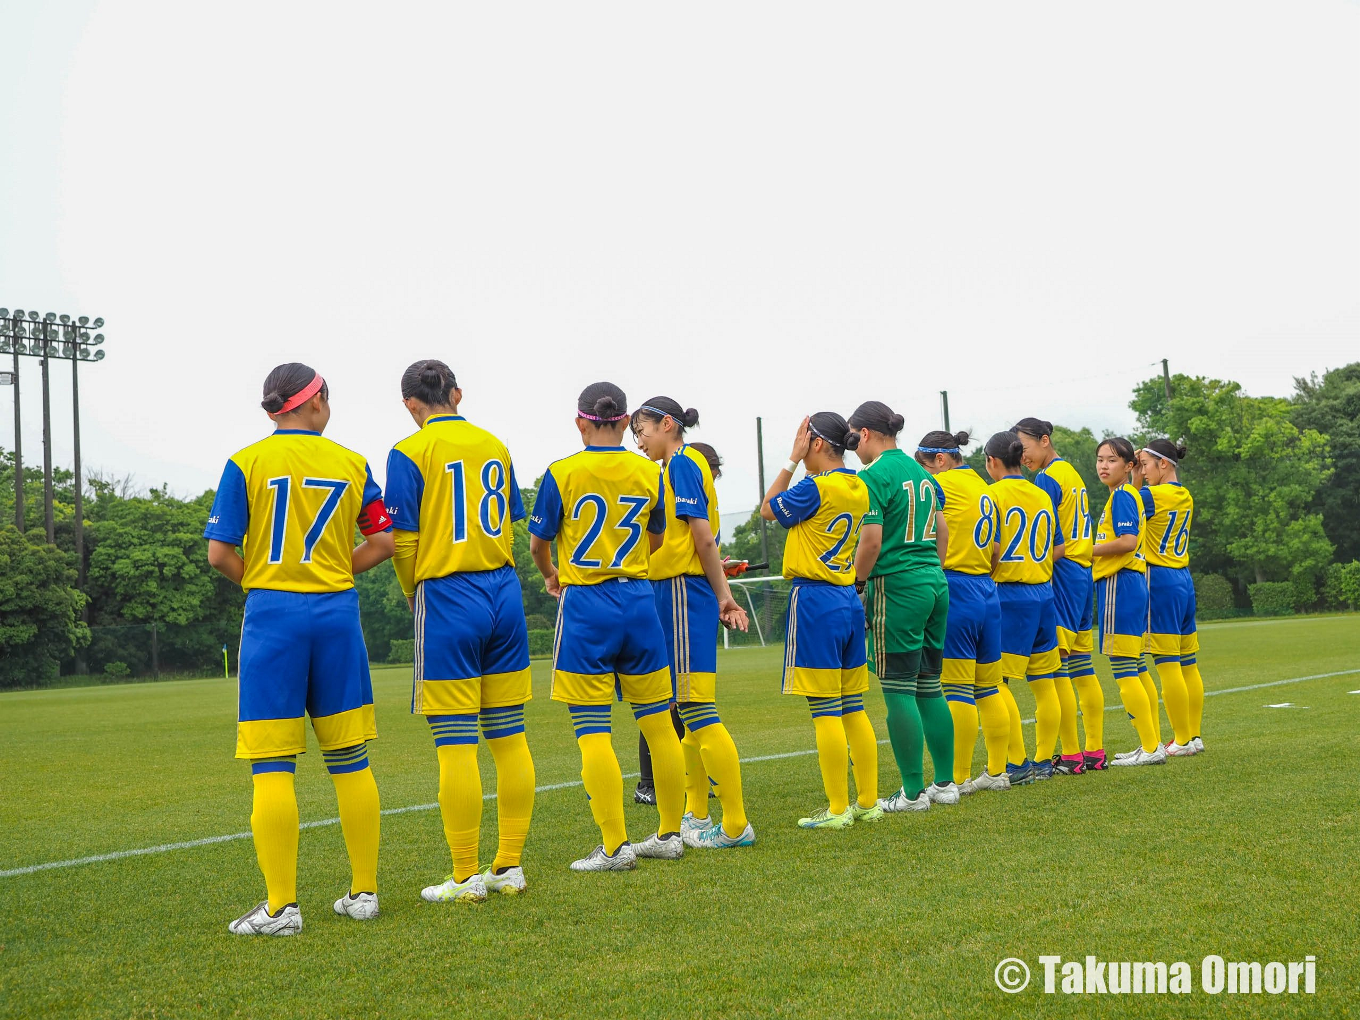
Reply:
x=903 y=498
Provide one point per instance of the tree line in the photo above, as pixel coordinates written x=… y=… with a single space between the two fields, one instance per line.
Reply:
x=1276 y=482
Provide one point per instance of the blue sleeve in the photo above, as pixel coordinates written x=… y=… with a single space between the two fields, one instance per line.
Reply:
x=1124 y=512
x=1055 y=494
x=939 y=493
x=1149 y=504
x=797 y=504
x=371 y=491
x=517 y=513
x=656 y=523
x=547 y=515
x=687 y=483
x=405 y=488
x=230 y=512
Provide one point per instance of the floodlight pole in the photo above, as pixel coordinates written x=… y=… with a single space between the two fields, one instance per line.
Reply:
x=47 y=449
x=18 y=453
x=79 y=501
x=760 y=470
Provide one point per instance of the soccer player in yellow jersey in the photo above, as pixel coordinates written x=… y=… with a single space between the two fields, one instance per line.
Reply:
x=825 y=659
x=1071 y=600
x=692 y=598
x=596 y=504
x=291 y=502
x=972 y=638
x=1121 y=595
x=1027 y=543
x=453 y=498
x=1170 y=509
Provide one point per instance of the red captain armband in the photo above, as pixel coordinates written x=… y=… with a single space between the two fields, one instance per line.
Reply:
x=374 y=518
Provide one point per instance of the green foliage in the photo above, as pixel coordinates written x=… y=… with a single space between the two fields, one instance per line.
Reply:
x=745 y=543
x=1253 y=473
x=1341 y=587
x=117 y=669
x=1272 y=598
x=540 y=642
x=401 y=650
x=537 y=601
x=39 y=604
x=1213 y=593
x=384 y=613
x=1331 y=407
x=536 y=622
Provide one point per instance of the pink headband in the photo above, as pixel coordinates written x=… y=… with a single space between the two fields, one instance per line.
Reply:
x=303 y=395
x=596 y=417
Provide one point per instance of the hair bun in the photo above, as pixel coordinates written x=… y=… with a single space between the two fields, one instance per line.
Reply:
x=962 y=438
x=1017 y=449
x=607 y=407
x=273 y=402
x=430 y=375
x=690 y=418
x=851 y=440
x=895 y=423
x=1181 y=451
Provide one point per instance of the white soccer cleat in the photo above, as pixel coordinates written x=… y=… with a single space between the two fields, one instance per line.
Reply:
x=967 y=787
x=1127 y=754
x=899 y=801
x=259 y=921
x=987 y=781
x=1198 y=744
x=361 y=906
x=1141 y=757
x=509 y=882
x=1175 y=750
x=623 y=859
x=691 y=829
x=716 y=839
x=470 y=890
x=946 y=794
x=672 y=848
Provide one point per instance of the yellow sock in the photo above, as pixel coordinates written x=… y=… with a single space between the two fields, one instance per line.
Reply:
x=995 y=722
x=1092 y=700
x=1135 y=700
x=514 y=796
x=696 y=776
x=720 y=761
x=1154 y=699
x=1175 y=695
x=604 y=786
x=863 y=743
x=1067 y=704
x=1047 y=718
x=965 y=716
x=360 y=821
x=460 y=804
x=834 y=759
x=1015 y=741
x=668 y=769
x=1194 y=686
x=274 y=823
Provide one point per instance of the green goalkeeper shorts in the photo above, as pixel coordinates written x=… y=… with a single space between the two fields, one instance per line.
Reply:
x=905 y=615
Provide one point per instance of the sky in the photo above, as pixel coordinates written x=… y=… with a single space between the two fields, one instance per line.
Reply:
x=757 y=209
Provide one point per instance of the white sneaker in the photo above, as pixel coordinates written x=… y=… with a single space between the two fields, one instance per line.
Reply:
x=1198 y=744
x=692 y=828
x=624 y=859
x=470 y=890
x=967 y=787
x=361 y=906
x=509 y=882
x=1175 y=750
x=1141 y=757
x=716 y=839
x=946 y=794
x=899 y=801
x=672 y=848
x=987 y=781
x=259 y=921
x=1122 y=755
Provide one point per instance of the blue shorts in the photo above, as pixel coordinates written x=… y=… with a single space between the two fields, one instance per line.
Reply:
x=302 y=654
x=1029 y=633
x=1121 y=611
x=824 y=651
x=608 y=637
x=1072 y=605
x=688 y=611
x=1171 y=611
x=472 y=646
x=972 y=636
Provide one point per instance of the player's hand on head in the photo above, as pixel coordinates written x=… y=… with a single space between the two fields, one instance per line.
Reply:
x=802 y=441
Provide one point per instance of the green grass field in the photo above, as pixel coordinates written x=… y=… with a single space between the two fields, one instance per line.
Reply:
x=1248 y=851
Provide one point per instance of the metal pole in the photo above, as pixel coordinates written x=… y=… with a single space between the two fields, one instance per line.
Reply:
x=944 y=406
x=760 y=468
x=1166 y=379
x=47 y=448
x=18 y=453
x=155 y=653
x=79 y=500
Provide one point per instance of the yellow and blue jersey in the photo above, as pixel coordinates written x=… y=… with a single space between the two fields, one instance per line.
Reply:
x=452 y=486
x=689 y=492
x=1169 y=510
x=596 y=504
x=971 y=516
x=822 y=515
x=1122 y=516
x=291 y=502
x=1068 y=492
x=1027 y=532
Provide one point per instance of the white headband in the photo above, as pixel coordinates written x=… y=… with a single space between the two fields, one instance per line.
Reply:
x=1158 y=455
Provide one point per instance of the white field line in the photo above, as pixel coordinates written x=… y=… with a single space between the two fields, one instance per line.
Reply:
x=209 y=840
